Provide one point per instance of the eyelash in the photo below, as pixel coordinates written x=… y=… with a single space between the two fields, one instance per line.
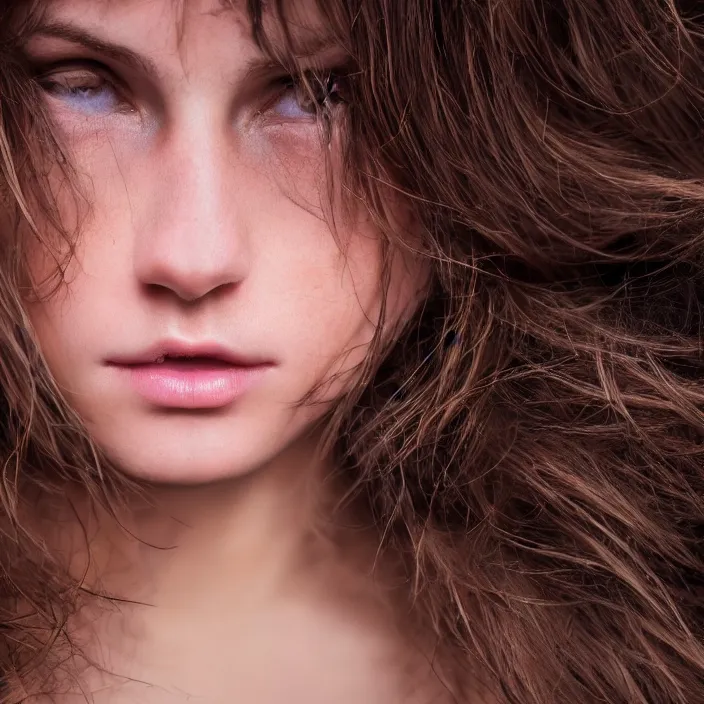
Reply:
x=56 y=81
x=327 y=90
x=323 y=93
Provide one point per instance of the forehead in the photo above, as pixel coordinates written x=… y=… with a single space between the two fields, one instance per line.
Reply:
x=154 y=14
x=303 y=13
x=157 y=19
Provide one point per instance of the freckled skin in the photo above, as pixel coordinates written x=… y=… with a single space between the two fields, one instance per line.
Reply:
x=207 y=224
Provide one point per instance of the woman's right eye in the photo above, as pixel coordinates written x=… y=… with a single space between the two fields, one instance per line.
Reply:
x=83 y=90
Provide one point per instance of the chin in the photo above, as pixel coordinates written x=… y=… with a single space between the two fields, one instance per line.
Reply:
x=202 y=447
x=160 y=472
x=172 y=468
x=194 y=454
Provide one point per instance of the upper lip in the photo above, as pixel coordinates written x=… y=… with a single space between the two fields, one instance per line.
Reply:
x=182 y=349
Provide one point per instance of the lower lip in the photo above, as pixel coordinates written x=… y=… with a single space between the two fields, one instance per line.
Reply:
x=197 y=385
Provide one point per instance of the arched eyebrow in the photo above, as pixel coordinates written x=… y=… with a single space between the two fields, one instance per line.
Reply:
x=77 y=35
x=306 y=47
x=305 y=55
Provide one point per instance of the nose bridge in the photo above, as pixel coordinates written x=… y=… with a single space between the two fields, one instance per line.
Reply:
x=192 y=240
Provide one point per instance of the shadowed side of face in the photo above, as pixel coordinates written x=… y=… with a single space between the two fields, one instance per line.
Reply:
x=207 y=295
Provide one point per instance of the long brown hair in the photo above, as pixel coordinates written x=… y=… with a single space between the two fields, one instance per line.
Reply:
x=532 y=445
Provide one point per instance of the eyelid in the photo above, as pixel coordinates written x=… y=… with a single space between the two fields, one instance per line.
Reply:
x=43 y=71
x=273 y=87
x=284 y=82
x=316 y=79
x=53 y=71
x=86 y=65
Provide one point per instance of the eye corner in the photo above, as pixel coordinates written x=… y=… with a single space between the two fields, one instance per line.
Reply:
x=315 y=92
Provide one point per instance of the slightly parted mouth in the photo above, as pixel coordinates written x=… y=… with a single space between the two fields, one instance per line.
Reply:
x=187 y=354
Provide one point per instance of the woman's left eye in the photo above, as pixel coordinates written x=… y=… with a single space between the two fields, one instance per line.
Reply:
x=300 y=102
x=83 y=90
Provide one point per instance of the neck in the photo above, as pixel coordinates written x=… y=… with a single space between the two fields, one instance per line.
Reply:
x=249 y=571
x=249 y=533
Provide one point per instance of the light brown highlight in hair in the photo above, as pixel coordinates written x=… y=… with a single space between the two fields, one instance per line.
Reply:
x=532 y=445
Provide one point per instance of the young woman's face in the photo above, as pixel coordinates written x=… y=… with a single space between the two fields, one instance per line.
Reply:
x=207 y=294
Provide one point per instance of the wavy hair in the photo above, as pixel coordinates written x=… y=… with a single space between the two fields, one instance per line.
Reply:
x=531 y=447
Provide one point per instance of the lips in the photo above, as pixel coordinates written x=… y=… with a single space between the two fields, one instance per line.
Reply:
x=190 y=376
x=188 y=361
x=186 y=351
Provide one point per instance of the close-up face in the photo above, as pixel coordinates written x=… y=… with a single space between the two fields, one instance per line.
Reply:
x=207 y=294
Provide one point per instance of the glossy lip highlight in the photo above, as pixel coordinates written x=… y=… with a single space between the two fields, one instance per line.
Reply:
x=175 y=374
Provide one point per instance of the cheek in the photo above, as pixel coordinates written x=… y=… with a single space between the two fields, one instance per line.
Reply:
x=66 y=320
x=59 y=330
x=316 y=299
x=57 y=259
x=344 y=312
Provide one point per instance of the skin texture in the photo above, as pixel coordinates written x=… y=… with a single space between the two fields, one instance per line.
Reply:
x=532 y=452
x=206 y=225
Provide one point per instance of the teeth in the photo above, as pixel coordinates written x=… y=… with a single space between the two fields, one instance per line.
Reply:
x=160 y=359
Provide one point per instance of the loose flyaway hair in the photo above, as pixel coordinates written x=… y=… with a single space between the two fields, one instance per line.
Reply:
x=531 y=446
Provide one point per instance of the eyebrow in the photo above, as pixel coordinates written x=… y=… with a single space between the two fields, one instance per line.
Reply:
x=304 y=48
x=76 y=35
x=310 y=46
x=304 y=56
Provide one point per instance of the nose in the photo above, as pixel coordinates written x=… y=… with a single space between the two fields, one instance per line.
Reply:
x=192 y=241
